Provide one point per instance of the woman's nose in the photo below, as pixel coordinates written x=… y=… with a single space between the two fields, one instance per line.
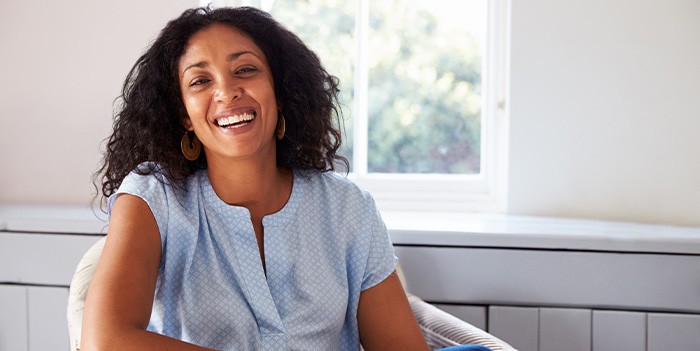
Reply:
x=228 y=90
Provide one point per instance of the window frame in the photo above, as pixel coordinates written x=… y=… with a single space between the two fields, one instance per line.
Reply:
x=483 y=192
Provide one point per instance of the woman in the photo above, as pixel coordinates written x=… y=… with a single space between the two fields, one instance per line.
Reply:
x=244 y=241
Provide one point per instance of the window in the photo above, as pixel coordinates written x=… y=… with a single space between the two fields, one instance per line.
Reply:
x=423 y=88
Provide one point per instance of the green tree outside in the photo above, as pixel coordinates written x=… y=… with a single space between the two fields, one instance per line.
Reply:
x=424 y=82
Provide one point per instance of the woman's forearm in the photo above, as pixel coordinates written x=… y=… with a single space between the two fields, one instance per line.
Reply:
x=132 y=340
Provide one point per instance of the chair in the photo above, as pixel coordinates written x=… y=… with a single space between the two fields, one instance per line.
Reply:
x=439 y=328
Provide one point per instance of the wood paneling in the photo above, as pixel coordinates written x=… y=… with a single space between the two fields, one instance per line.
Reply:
x=619 y=331
x=673 y=332
x=48 y=326
x=565 y=329
x=13 y=318
x=518 y=326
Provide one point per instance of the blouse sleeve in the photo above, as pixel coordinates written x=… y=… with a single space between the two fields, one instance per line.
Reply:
x=152 y=191
x=381 y=261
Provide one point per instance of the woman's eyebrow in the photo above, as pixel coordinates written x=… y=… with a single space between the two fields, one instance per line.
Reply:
x=236 y=55
x=231 y=57
x=200 y=64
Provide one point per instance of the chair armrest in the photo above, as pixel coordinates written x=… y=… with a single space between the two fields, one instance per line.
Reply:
x=442 y=329
x=78 y=291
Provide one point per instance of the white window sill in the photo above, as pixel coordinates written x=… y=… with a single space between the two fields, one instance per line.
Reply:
x=508 y=231
x=431 y=229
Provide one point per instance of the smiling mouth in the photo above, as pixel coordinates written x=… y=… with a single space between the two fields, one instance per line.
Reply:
x=235 y=121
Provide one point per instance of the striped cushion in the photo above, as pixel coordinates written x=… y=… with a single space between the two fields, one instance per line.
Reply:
x=442 y=329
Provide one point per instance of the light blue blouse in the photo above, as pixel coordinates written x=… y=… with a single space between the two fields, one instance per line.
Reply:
x=322 y=249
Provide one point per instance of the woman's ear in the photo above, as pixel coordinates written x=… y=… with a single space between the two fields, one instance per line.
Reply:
x=184 y=117
x=187 y=123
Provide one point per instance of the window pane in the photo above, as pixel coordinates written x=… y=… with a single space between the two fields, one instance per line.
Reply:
x=425 y=60
x=328 y=28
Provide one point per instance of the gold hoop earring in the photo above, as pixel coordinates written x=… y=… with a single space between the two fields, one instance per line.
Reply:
x=281 y=127
x=191 y=148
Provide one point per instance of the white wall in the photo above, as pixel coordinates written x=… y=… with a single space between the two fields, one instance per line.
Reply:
x=605 y=110
x=62 y=66
x=604 y=102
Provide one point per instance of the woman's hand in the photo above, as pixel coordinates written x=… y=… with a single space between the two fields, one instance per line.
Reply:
x=385 y=319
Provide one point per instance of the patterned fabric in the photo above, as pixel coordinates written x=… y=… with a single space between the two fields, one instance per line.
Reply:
x=443 y=330
x=322 y=249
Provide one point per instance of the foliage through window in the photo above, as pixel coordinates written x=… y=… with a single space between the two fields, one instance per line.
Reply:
x=424 y=77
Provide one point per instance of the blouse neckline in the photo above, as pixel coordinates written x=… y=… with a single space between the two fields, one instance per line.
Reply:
x=284 y=215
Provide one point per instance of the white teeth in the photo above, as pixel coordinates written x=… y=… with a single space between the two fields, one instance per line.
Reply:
x=227 y=121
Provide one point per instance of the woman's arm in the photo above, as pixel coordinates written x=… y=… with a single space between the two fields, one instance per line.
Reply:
x=385 y=319
x=120 y=297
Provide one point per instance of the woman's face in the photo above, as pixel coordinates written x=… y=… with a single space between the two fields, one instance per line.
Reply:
x=229 y=94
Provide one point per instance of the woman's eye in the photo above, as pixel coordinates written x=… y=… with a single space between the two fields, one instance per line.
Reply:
x=199 y=81
x=246 y=69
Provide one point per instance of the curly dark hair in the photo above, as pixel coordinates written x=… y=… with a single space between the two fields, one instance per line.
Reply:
x=147 y=125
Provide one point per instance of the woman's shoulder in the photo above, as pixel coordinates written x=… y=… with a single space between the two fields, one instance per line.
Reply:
x=149 y=179
x=150 y=172
x=334 y=185
x=146 y=175
x=149 y=182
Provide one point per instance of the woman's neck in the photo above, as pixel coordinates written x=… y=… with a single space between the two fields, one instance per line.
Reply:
x=259 y=185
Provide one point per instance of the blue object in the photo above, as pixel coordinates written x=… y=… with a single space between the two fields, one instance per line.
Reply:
x=466 y=348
